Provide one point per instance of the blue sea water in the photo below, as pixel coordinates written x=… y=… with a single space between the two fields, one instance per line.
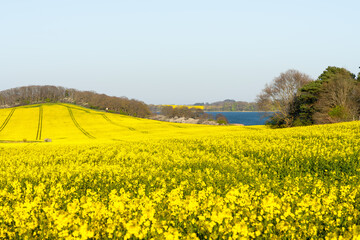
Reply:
x=246 y=118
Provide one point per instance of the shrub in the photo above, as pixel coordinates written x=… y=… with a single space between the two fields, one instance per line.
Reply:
x=221 y=119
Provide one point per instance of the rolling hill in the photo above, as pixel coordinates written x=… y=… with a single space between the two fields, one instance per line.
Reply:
x=67 y=122
x=37 y=94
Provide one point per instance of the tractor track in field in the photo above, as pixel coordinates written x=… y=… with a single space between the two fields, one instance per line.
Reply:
x=7 y=119
x=102 y=114
x=116 y=124
x=39 y=130
x=78 y=125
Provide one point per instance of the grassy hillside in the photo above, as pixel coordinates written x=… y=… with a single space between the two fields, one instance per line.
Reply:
x=174 y=181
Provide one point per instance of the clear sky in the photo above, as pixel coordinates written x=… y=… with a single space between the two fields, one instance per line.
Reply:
x=172 y=51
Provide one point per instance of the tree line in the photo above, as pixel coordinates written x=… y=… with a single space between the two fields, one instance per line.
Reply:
x=188 y=112
x=183 y=111
x=42 y=94
x=229 y=105
x=298 y=100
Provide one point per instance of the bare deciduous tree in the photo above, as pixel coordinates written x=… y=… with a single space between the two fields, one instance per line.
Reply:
x=40 y=94
x=280 y=94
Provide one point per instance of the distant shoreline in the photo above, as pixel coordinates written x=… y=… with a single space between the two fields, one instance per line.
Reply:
x=242 y=111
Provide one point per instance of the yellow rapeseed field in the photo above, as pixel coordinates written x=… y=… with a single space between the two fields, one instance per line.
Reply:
x=108 y=176
x=187 y=106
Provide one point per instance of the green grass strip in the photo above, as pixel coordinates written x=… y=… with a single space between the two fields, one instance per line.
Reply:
x=7 y=120
x=78 y=125
x=39 y=130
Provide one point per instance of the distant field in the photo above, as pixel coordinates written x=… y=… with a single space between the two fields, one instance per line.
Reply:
x=187 y=106
x=109 y=176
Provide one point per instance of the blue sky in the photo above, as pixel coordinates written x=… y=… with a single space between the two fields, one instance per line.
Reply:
x=173 y=52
